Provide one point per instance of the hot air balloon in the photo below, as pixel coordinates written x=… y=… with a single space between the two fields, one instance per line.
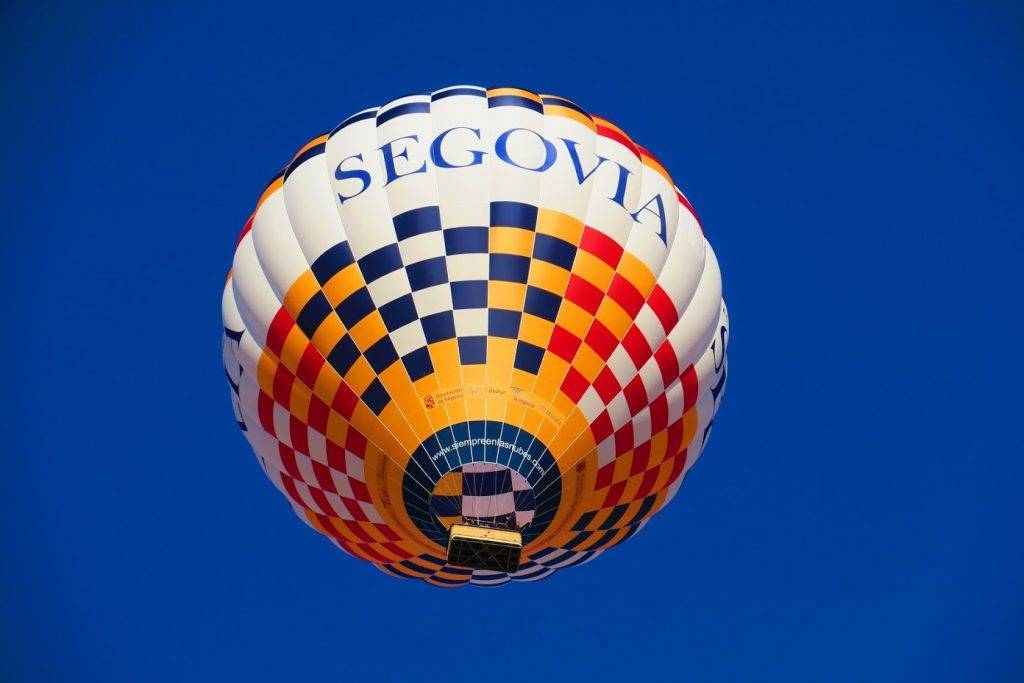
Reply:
x=475 y=336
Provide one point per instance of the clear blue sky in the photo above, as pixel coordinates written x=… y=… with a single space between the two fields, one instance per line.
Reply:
x=857 y=513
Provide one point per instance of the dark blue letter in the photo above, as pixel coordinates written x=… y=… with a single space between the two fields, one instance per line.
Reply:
x=570 y=146
x=440 y=162
x=660 y=213
x=390 y=156
x=501 y=149
x=362 y=175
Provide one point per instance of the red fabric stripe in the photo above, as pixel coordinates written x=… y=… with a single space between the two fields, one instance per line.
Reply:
x=293 y=493
x=693 y=212
x=329 y=529
x=601 y=428
x=665 y=356
x=321 y=500
x=345 y=401
x=624 y=439
x=564 y=343
x=675 y=437
x=625 y=294
x=678 y=464
x=583 y=294
x=245 y=231
x=359 y=490
x=659 y=414
x=394 y=549
x=663 y=307
x=287 y=456
x=604 y=476
x=355 y=510
x=689 y=380
x=283 y=381
x=335 y=456
x=323 y=477
x=360 y=532
x=299 y=433
x=601 y=245
x=601 y=340
x=636 y=346
x=309 y=365
x=614 y=494
x=641 y=458
x=265 y=407
x=606 y=385
x=370 y=552
x=650 y=477
x=636 y=395
x=619 y=138
x=280 y=326
x=574 y=384
x=318 y=412
x=355 y=442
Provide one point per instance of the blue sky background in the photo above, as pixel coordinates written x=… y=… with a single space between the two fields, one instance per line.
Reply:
x=856 y=515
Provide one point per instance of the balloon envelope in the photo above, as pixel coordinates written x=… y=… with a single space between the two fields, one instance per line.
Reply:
x=475 y=306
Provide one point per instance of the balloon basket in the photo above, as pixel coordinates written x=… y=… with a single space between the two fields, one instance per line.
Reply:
x=495 y=550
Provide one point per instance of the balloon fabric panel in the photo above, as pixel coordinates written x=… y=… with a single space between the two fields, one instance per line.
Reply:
x=480 y=305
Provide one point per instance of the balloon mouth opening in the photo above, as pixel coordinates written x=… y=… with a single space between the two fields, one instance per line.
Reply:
x=483 y=495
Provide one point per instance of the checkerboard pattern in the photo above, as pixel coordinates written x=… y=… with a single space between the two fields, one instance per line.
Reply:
x=366 y=334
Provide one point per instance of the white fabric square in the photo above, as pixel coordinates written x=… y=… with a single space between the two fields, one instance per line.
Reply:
x=618 y=411
x=420 y=247
x=354 y=466
x=389 y=287
x=433 y=299
x=317 y=446
x=471 y=322
x=408 y=337
x=468 y=267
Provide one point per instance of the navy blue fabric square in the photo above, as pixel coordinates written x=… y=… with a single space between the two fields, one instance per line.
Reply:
x=502 y=323
x=446 y=506
x=468 y=240
x=524 y=500
x=541 y=303
x=418 y=364
x=513 y=215
x=585 y=519
x=439 y=326
x=510 y=267
x=343 y=355
x=378 y=263
x=376 y=397
x=486 y=483
x=427 y=273
x=614 y=516
x=528 y=357
x=355 y=307
x=469 y=294
x=381 y=355
x=399 y=312
x=417 y=222
x=554 y=250
x=473 y=350
x=645 y=507
x=313 y=313
x=331 y=262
